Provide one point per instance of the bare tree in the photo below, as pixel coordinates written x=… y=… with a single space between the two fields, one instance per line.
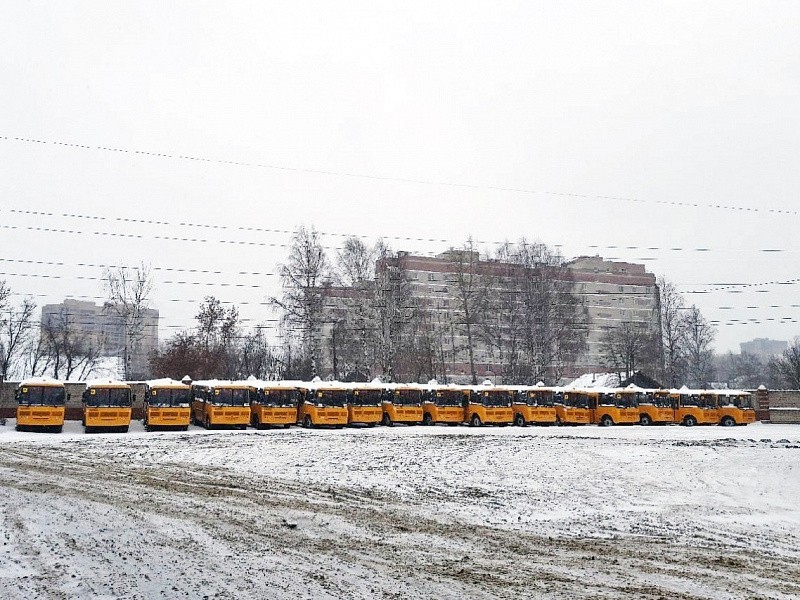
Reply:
x=128 y=297
x=37 y=355
x=391 y=309
x=698 y=337
x=16 y=329
x=302 y=279
x=742 y=371
x=673 y=332
x=355 y=262
x=257 y=357
x=547 y=323
x=630 y=345
x=471 y=295
x=70 y=350
x=786 y=367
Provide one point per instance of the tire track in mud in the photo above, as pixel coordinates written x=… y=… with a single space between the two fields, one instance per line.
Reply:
x=384 y=546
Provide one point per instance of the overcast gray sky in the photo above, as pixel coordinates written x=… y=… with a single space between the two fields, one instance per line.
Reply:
x=664 y=133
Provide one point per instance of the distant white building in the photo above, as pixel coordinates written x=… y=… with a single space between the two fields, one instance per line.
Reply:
x=763 y=348
x=105 y=330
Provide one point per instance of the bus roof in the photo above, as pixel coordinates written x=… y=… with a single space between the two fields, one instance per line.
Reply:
x=166 y=382
x=41 y=381
x=106 y=383
x=222 y=383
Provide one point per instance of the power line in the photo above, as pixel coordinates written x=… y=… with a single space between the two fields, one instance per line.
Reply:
x=717 y=286
x=393 y=179
x=126 y=220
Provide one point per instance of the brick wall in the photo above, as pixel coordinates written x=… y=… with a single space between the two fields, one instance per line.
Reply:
x=784 y=406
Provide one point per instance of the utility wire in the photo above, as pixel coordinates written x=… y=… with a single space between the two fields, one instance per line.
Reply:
x=451 y=243
x=393 y=179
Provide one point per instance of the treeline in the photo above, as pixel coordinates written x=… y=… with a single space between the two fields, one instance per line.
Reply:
x=62 y=345
x=355 y=315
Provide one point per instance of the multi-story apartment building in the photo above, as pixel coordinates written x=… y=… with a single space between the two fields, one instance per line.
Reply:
x=100 y=326
x=612 y=292
x=609 y=292
x=764 y=348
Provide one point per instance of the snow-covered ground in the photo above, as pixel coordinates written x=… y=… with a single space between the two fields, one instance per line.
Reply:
x=403 y=512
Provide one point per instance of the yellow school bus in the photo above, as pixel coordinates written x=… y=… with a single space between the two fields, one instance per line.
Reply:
x=167 y=404
x=323 y=403
x=107 y=406
x=402 y=403
x=572 y=407
x=274 y=403
x=221 y=404
x=40 y=405
x=365 y=403
x=443 y=404
x=655 y=407
x=613 y=406
x=488 y=405
x=694 y=407
x=734 y=407
x=534 y=405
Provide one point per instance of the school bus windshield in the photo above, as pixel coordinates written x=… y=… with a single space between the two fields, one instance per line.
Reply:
x=658 y=400
x=574 y=400
x=279 y=397
x=492 y=398
x=366 y=397
x=447 y=398
x=169 y=397
x=330 y=397
x=540 y=398
x=626 y=400
x=231 y=397
x=406 y=397
x=41 y=396
x=108 y=397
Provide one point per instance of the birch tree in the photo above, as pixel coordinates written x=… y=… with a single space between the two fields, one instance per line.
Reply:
x=128 y=292
x=300 y=302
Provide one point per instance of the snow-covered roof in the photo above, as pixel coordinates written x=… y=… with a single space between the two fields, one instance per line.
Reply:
x=222 y=383
x=166 y=382
x=595 y=380
x=106 y=383
x=48 y=381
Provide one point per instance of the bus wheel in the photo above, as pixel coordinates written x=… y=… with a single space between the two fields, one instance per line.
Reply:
x=185 y=428
x=644 y=419
x=387 y=420
x=606 y=421
x=475 y=421
x=727 y=421
x=689 y=421
x=426 y=419
x=307 y=423
x=519 y=420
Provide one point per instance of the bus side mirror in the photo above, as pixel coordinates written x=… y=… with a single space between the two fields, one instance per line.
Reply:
x=69 y=396
x=134 y=397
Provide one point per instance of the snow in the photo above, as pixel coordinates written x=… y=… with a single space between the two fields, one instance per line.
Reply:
x=404 y=512
x=595 y=380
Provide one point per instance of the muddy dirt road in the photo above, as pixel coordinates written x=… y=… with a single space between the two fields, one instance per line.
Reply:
x=424 y=513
